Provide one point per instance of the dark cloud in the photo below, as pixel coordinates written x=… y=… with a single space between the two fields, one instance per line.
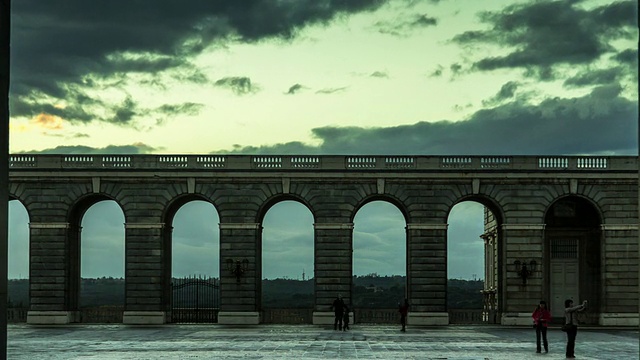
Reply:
x=594 y=77
x=177 y=109
x=331 y=90
x=294 y=89
x=238 y=84
x=171 y=111
x=125 y=112
x=542 y=34
x=555 y=126
x=507 y=92
x=138 y=148
x=628 y=56
x=379 y=74
x=437 y=72
x=403 y=27
x=424 y=20
x=60 y=49
x=456 y=69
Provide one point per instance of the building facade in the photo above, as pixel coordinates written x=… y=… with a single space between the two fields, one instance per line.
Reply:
x=555 y=227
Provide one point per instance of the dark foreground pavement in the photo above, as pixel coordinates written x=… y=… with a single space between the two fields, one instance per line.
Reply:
x=71 y=342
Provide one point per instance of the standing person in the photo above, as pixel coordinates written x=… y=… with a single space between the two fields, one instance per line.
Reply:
x=338 y=308
x=572 y=329
x=345 y=318
x=404 y=311
x=541 y=319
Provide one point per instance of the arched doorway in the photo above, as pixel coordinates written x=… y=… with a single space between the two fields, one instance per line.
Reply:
x=101 y=273
x=287 y=271
x=379 y=264
x=572 y=253
x=18 y=263
x=467 y=263
x=192 y=241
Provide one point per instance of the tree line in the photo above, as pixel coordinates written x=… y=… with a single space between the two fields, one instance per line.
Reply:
x=369 y=291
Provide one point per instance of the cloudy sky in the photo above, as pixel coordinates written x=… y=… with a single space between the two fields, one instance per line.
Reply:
x=430 y=77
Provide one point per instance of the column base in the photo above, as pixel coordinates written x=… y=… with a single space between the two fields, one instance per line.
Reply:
x=517 y=319
x=52 y=317
x=618 y=319
x=239 y=317
x=428 y=318
x=144 y=317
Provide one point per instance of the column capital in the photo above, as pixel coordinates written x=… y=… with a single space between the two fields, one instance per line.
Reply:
x=144 y=225
x=426 y=226
x=523 y=226
x=237 y=226
x=333 y=226
x=51 y=225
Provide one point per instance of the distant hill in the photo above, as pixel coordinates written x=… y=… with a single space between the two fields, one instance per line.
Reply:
x=370 y=291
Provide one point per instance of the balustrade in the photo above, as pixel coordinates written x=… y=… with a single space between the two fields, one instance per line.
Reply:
x=324 y=162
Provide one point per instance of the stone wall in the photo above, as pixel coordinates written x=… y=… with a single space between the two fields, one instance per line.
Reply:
x=518 y=204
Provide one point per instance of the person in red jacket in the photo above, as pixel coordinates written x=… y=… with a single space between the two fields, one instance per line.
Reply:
x=541 y=319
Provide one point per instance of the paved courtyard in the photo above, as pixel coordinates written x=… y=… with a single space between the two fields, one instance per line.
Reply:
x=71 y=342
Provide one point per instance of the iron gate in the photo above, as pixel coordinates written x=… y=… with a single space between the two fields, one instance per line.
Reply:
x=195 y=300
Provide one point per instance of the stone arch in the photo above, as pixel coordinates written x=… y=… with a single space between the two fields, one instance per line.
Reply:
x=382 y=197
x=493 y=245
x=264 y=208
x=488 y=202
x=168 y=215
x=13 y=245
x=572 y=254
x=392 y=286
x=270 y=202
x=75 y=215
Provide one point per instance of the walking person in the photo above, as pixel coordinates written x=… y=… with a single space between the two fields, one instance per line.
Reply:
x=338 y=308
x=571 y=325
x=541 y=319
x=404 y=311
x=345 y=318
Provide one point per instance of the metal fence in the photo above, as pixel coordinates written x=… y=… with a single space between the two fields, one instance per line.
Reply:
x=195 y=300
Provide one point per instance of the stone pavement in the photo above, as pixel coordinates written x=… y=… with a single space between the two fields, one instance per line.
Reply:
x=72 y=342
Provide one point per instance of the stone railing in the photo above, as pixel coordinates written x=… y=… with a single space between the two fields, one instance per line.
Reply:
x=467 y=316
x=326 y=162
x=376 y=316
x=102 y=314
x=287 y=316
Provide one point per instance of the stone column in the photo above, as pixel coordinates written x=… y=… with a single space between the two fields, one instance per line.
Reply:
x=524 y=243
x=333 y=268
x=145 y=274
x=490 y=276
x=619 y=275
x=240 y=273
x=427 y=274
x=52 y=286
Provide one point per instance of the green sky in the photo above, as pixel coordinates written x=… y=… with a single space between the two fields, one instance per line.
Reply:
x=321 y=76
x=419 y=77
